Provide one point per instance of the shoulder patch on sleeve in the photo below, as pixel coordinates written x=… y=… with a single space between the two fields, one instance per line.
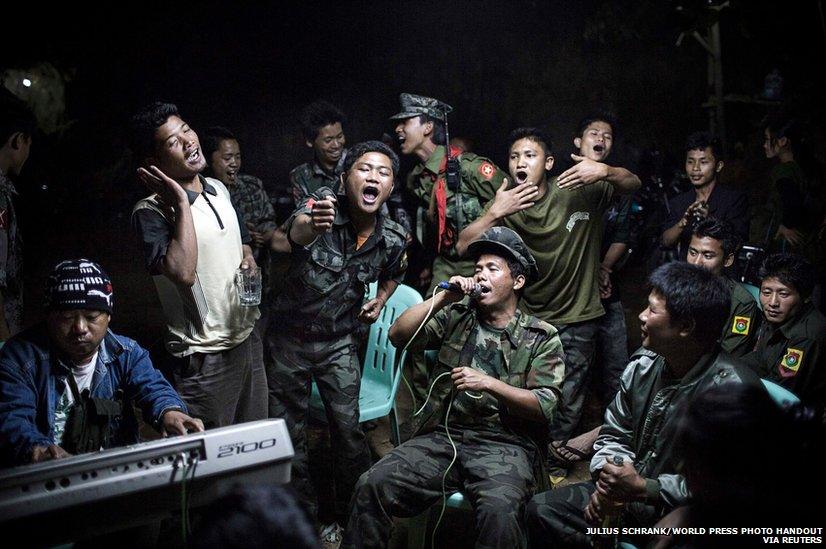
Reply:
x=487 y=170
x=740 y=325
x=4 y=219
x=791 y=362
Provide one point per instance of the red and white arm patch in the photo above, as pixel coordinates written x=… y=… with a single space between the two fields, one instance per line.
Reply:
x=487 y=170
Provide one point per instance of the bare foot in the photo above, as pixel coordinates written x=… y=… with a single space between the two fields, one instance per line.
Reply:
x=577 y=448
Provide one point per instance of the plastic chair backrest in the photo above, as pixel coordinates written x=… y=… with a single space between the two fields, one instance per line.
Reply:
x=779 y=394
x=381 y=355
x=379 y=379
x=755 y=293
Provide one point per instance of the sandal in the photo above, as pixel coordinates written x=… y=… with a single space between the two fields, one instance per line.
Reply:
x=555 y=447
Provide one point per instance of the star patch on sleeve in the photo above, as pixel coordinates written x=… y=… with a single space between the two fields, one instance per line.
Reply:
x=487 y=170
x=740 y=325
x=791 y=361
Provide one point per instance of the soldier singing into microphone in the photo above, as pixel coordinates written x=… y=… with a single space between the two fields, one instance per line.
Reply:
x=498 y=381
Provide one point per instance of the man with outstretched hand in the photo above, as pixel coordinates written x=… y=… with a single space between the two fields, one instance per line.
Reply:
x=340 y=244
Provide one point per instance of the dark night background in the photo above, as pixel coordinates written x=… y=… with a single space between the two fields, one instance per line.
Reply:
x=252 y=67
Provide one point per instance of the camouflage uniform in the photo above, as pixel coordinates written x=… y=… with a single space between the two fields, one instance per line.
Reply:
x=253 y=205
x=252 y=202
x=311 y=337
x=498 y=455
x=309 y=177
x=480 y=178
x=11 y=258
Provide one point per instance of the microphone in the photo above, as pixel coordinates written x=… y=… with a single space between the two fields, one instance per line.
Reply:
x=451 y=287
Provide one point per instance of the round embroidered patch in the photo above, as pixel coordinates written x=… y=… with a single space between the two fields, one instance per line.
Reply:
x=487 y=170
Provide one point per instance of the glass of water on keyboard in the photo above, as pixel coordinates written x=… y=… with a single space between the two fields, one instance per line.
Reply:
x=248 y=282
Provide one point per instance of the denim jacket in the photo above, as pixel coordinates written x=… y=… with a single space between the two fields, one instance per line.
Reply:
x=32 y=380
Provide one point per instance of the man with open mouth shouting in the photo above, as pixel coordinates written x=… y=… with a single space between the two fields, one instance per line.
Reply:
x=340 y=244
x=193 y=242
x=443 y=211
x=561 y=222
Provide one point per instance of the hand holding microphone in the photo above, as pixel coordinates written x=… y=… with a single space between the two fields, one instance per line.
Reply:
x=461 y=286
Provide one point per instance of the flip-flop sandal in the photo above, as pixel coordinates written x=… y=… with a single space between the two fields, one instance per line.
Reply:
x=554 y=448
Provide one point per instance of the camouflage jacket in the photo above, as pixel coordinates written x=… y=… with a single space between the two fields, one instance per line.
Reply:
x=532 y=358
x=310 y=177
x=327 y=280
x=641 y=423
x=252 y=202
x=11 y=257
x=480 y=179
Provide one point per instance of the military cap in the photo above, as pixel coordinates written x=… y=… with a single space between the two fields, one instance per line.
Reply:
x=415 y=105
x=502 y=239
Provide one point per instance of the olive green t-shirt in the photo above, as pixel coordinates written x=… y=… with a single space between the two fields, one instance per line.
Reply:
x=563 y=231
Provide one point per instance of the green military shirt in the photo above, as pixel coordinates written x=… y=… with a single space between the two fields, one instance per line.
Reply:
x=740 y=330
x=526 y=354
x=479 y=182
x=327 y=280
x=310 y=177
x=794 y=354
x=563 y=231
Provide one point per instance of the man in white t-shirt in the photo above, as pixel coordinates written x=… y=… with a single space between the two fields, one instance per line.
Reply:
x=193 y=242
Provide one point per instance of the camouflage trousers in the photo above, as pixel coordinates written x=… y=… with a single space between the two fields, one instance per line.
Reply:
x=334 y=365
x=578 y=344
x=496 y=476
x=556 y=518
x=612 y=349
x=419 y=375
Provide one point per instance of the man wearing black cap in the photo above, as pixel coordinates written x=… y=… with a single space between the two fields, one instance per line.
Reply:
x=443 y=212
x=67 y=385
x=505 y=371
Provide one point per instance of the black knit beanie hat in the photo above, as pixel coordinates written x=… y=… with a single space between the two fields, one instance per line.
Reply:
x=79 y=284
